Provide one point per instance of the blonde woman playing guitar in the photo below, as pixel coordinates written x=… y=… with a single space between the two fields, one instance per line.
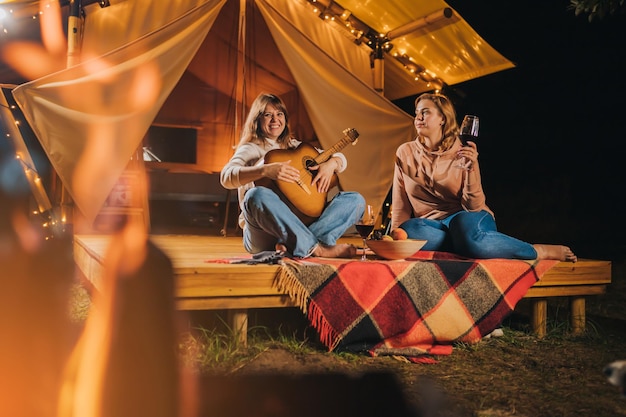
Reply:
x=278 y=178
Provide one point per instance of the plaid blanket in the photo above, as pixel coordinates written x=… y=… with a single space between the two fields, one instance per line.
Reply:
x=414 y=308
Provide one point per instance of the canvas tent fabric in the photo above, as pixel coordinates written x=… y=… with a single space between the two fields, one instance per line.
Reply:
x=207 y=61
x=91 y=118
x=451 y=49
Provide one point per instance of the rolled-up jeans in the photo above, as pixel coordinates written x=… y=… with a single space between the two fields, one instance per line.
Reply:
x=470 y=234
x=269 y=221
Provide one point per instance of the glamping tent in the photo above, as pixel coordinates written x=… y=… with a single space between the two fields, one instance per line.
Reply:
x=196 y=65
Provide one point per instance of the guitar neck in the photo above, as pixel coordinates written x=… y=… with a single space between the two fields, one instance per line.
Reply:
x=325 y=156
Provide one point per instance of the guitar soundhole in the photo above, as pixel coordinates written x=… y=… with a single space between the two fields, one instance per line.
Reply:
x=308 y=162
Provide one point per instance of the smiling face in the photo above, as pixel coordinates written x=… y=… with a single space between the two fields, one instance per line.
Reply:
x=272 y=122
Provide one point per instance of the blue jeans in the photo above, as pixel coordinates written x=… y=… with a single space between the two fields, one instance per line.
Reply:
x=470 y=234
x=270 y=221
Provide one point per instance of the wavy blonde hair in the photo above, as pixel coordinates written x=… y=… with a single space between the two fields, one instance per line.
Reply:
x=450 y=128
x=252 y=131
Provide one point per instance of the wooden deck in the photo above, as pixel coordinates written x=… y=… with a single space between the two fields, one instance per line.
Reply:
x=201 y=285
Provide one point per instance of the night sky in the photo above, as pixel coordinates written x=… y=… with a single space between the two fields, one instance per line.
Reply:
x=551 y=142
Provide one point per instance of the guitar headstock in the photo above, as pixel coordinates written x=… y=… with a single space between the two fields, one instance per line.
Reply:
x=351 y=134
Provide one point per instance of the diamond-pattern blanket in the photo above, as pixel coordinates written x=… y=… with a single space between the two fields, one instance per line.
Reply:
x=414 y=308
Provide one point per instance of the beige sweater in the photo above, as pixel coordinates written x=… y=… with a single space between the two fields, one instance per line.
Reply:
x=428 y=184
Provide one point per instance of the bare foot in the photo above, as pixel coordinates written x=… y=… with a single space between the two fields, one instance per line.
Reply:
x=343 y=250
x=280 y=247
x=559 y=252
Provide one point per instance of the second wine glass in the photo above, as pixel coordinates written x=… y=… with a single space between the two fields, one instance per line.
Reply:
x=365 y=226
x=468 y=131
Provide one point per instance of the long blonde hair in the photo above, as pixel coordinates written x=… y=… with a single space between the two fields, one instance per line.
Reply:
x=450 y=127
x=252 y=131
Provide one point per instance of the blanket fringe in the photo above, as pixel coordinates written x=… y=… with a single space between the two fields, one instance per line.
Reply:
x=328 y=336
x=287 y=281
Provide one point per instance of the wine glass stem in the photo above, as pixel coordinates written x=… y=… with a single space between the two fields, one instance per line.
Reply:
x=363 y=257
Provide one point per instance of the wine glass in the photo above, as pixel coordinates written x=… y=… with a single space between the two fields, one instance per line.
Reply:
x=365 y=226
x=469 y=131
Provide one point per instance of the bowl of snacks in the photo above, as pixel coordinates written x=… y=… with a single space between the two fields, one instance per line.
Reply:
x=389 y=248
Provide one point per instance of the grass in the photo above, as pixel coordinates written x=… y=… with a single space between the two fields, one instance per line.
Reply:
x=219 y=347
x=208 y=348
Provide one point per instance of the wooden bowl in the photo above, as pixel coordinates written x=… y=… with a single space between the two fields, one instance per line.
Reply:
x=395 y=249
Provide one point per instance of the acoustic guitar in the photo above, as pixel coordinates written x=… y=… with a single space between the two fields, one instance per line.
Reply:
x=301 y=197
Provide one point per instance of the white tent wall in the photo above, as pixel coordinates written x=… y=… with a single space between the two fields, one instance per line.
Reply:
x=335 y=99
x=91 y=118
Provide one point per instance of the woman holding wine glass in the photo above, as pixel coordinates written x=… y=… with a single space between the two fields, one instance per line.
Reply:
x=434 y=200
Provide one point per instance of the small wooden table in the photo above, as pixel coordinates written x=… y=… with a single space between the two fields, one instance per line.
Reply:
x=202 y=285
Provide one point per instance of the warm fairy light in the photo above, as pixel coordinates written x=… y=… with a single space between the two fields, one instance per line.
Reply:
x=363 y=34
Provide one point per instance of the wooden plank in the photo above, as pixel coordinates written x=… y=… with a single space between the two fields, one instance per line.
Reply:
x=585 y=271
x=238 y=281
x=225 y=303
x=577 y=312
x=539 y=316
x=197 y=278
x=565 y=291
x=238 y=321
x=88 y=262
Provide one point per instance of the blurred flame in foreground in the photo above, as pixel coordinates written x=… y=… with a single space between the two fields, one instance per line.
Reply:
x=87 y=386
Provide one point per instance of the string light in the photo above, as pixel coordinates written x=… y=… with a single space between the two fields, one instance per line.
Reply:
x=48 y=215
x=9 y=18
x=362 y=33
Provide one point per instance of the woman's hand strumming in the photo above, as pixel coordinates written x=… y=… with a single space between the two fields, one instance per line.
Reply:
x=281 y=171
x=325 y=172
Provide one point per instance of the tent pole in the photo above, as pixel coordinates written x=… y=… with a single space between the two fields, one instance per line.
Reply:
x=74 y=33
x=240 y=79
x=438 y=17
x=379 y=67
x=74 y=41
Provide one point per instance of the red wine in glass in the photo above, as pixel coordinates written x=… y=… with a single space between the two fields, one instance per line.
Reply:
x=365 y=226
x=364 y=229
x=465 y=137
x=468 y=132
